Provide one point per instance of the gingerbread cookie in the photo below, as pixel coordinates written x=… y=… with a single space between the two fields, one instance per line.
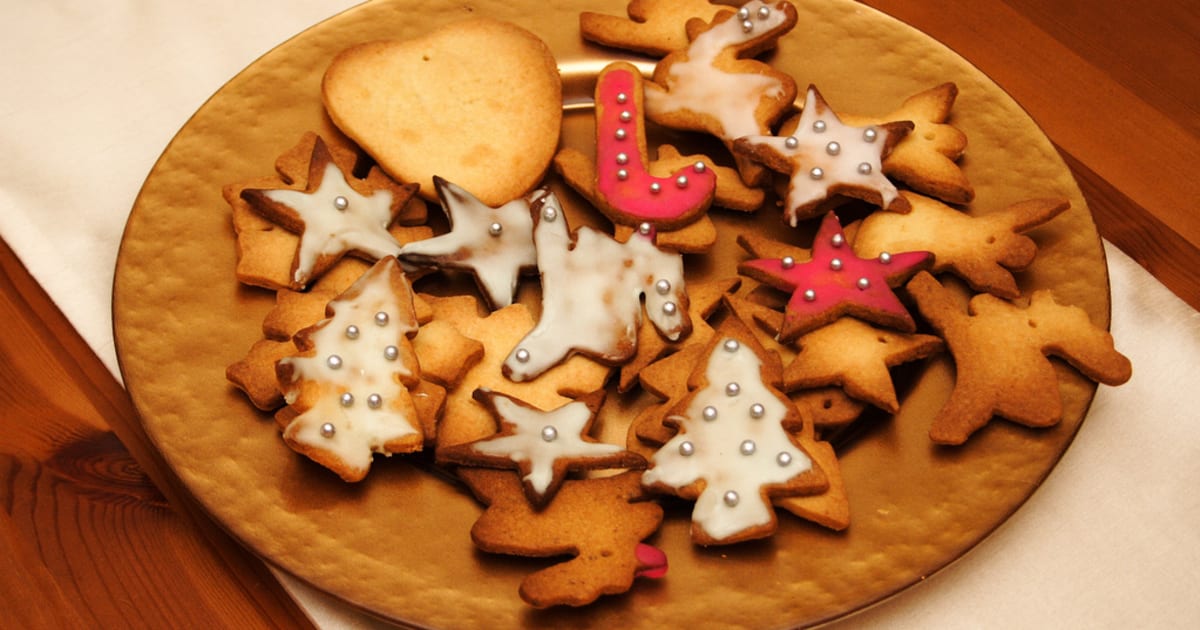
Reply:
x=599 y=523
x=349 y=385
x=927 y=158
x=432 y=105
x=825 y=158
x=332 y=212
x=1018 y=382
x=654 y=27
x=733 y=399
x=984 y=250
x=544 y=445
x=717 y=87
x=495 y=245
x=593 y=289
x=836 y=282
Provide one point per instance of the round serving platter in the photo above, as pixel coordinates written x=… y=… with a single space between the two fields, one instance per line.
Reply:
x=398 y=545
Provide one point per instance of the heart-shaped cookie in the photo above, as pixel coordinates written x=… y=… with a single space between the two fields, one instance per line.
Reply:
x=477 y=102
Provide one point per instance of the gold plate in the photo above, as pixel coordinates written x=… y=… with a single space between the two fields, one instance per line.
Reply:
x=397 y=544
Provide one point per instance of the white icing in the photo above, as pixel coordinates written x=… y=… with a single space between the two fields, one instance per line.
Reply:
x=496 y=259
x=528 y=441
x=811 y=151
x=361 y=227
x=592 y=295
x=359 y=430
x=696 y=85
x=719 y=446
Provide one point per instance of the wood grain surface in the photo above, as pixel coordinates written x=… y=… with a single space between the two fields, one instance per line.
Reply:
x=98 y=533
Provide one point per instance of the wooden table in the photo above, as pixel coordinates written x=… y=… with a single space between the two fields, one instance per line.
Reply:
x=101 y=534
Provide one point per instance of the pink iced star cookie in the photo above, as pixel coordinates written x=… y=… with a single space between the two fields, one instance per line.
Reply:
x=836 y=282
x=825 y=157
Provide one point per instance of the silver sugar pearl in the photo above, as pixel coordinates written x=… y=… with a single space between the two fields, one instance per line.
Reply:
x=885 y=257
x=699 y=167
x=622 y=158
x=731 y=498
x=733 y=389
x=732 y=345
x=838 y=240
x=864 y=284
x=747 y=26
x=347 y=399
x=743 y=13
x=622 y=174
x=549 y=213
x=334 y=362
x=663 y=287
x=495 y=229
x=341 y=203
x=391 y=353
x=381 y=318
x=352 y=332
x=864 y=168
x=681 y=181
x=870 y=135
x=810 y=295
x=522 y=356
x=622 y=97
x=644 y=229
x=747 y=447
x=709 y=413
x=549 y=433
x=328 y=430
x=819 y=126
x=669 y=308
x=787 y=262
x=655 y=187
x=626 y=116
x=374 y=401
x=757 y=410
x=817 y=172
x=836 y=264
x=784 y=458
x=764 y=13
x=687 y=449
x=621 y=134
x=833 y=148
x=791 y=142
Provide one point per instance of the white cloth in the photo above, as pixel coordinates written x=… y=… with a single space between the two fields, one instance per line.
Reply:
x=93 y=92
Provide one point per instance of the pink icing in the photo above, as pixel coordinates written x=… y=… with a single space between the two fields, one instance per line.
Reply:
x=621 y=176
x=861 y=285
x=652 y=562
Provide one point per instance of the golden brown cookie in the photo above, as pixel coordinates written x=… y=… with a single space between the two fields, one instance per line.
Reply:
x=1001 y=355
x=432 y=106
x=654 y=27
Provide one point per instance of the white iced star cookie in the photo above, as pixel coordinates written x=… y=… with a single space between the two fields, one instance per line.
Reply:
x=334 y=214
x=543 y=445
x=494 y=244
x=825 y=158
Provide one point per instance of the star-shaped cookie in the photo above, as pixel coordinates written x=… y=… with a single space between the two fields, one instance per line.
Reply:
x=334 y=213
x=494 y=244
x=824 y=158
x=836 y=282
x=543 y=445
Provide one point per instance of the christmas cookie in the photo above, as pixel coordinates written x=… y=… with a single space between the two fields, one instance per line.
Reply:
x=477 y=102
x=654 y=27
x=734 y=400
x=293 y=227
x=594 y=292
x=1001 y=352
x=716 y=86
x=984 y=250
x=598 y=523
x=836 y=282
x=348 y=387
x=824 y=158
x=495 y=245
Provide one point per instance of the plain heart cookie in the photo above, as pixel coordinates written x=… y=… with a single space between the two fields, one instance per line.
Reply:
x=478 y=103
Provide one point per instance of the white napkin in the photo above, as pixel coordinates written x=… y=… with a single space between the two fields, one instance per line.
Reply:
x=93 y=92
